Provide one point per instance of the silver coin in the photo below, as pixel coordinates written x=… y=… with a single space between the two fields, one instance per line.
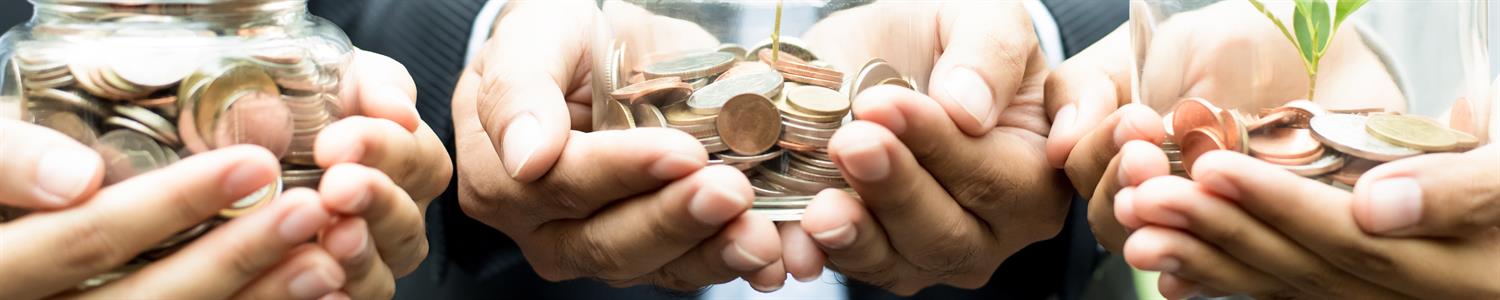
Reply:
x=71 y=125
x=1346 y=133
x=691 y=66
x=711 y=98
x=1331 y=161
x=128 y=153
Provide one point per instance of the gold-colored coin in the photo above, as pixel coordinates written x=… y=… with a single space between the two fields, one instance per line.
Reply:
x=1411 y=132
x=819 y=101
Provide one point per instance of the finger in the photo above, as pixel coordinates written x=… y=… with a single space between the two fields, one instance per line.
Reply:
x=65 y=247
x=306 y=273
x=231 y=256
x=1320 y=219
x=800 y=253
x=348 y=242
x=1179 y=203
x=417 y=162
x=927 y=226
x=855 y=243
x=394 y=220
x=43 y=168
x=1175 y=287
x=968 y=168
x=596 y=169
x=984 y=61
x=1084 y=90
x=380 y=87
x=1110 y=215
x=1438 y=195
x=1089 y=161
x=729 y=254
x=525 y=76
x=1167 y=250
x=652 y=230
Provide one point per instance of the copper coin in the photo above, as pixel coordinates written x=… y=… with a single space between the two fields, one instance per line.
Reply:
x=1294 y=161
x=1329 y=161
x=255 y=118
x=797 y=147
x=660 y=92
x=1194 y=113
x=1285 y=143
x=1197 y=142
x=743 y=68
x=692 y=66
x=1354 y=169
x=749 y=124
x=647 y=115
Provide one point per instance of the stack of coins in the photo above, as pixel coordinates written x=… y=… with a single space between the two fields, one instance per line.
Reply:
x=144 y=109
x=770 y=116
x=1335 y=147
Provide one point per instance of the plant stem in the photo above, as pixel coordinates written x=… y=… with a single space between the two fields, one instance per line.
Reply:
x=1312 y=84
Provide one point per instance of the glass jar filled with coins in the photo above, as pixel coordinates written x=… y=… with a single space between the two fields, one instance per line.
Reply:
x=762 y=85
x=1324 y=89
x=148 y=82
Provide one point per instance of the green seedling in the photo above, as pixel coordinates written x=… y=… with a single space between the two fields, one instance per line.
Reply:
x=1313 y=26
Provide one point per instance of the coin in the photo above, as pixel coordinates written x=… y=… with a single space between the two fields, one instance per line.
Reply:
x=691 y=66
x=159 y=127
x=710 y=98
x=875 y=72
x=647 y=115
x=70 y=100
x=71 y=125
x=743 y=68
x=1197 y=142
x=733 y=49
x=1286 y=143
x=222 y=91
x=1194 y=113
x=660 y=92
x=127 y=154
x=1346 y=133
x=730 y=158
x=1330 y=161
x=1233 y=131
x=789 y=45
x=255 y=118
x=1465 y=141
x=253 y=201
x=818 y=100
x=154 y=67
x=1411 y=132
x=616 y=117
x=749 y=124
x=1353 y=169
x=680 y=115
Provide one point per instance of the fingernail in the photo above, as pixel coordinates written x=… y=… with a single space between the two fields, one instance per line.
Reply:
x=247 y=177
x=1167 y=265
x=740 y=259
x=1125 y=208
x=866 y=161
x=1394 y=203
x=970 y=91
x=837 y=238
x=1122 y=172
x=767 y=289
x=522 y=138
x=714 y=206
x=300 y=224
x=1063 y=122
x=809 y=277
x=674 y=166
x=66 y=173
x=313 y=283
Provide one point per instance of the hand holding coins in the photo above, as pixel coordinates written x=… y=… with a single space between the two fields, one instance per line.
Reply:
x=642 y=193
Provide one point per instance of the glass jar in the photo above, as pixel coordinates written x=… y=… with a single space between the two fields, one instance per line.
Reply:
x=147 y=82
x=762 y=85
x=1395 y=79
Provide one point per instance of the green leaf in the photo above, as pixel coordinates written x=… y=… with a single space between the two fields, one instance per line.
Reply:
x=1346 y=8
x=1305 y=29
x=1270 y=16
x=1322 y=27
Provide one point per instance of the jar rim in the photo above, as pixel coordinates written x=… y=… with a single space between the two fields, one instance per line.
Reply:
x=151 y=2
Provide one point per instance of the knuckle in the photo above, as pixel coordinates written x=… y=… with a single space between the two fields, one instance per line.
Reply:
x=91 y=248
x=242 y=261
x=1363 y=257
x=955 y=254
x=588 y=256
x=1313 y=281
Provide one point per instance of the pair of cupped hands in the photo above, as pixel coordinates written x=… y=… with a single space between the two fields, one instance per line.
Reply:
x=952 y=182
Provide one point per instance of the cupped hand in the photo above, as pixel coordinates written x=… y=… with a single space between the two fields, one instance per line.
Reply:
x=627 y=207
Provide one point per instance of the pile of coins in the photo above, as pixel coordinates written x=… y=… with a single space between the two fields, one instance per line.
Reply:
x=144 y=109
x=765 y=113
x=1333 y=146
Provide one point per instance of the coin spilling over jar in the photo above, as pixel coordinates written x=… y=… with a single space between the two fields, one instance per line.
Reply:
x=765 y=113
x=146 y=83
x=1334 y=146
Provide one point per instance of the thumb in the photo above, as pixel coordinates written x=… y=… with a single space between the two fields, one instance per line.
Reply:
x=1437 y=195
x=522 y=79
x=984 y=63
x=43 y=168
x=1085 y=90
